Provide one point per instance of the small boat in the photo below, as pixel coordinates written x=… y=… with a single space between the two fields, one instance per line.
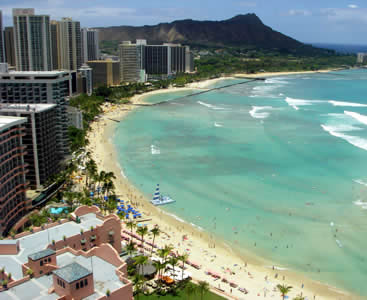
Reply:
x=159 y=199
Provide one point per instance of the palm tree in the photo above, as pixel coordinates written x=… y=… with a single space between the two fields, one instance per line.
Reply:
x=284 y=289
x=143 y=230
x=203 y=288
x=155 y=231
x=183 y=258
x=159 y=267
x=130 y=248
x=138 y=282
x=131 y=225
x=141 y=261
x=100 y=178
x=173 y=261
x=190 y=289
x=91 y=168
x=299 y=297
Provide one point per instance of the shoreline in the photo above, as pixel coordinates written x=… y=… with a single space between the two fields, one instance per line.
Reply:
x=250 y=270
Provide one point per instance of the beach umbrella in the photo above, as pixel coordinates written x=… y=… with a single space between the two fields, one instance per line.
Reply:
x=106 y=198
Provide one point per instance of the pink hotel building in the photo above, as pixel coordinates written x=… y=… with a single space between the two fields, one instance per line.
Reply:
x=82 y=261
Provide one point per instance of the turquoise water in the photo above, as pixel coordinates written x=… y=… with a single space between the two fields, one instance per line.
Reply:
x=280 y=164
x=58 y=210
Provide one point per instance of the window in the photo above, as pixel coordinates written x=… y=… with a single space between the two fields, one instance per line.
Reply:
x=63 y=284
x=77 y=285
x=85 y=282
x=49 y=259
x=41 y=263
x=82 y=284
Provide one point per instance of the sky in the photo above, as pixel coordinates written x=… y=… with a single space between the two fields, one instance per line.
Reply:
x=309 y=21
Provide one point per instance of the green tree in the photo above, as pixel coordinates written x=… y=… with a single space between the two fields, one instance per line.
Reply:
x=283 y=289
x=130 y=247
x=103 y=91
x=143 y=230
x=183 y=258
x=131 y=225
x=138 y=282
x=203 y=288
x=156 y=232
x=140 y=262
x=299 y=297
x=190 y=289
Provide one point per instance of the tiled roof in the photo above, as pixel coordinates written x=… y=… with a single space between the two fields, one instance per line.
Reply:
x=41 y=254
x=72 y=272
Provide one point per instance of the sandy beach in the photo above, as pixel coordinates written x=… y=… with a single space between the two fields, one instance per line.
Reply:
x=255 y=274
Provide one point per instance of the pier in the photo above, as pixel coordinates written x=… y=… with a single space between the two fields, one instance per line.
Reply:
x=213 y=89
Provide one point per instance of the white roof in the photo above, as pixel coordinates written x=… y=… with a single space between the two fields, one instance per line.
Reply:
x=7 y=122
x=25 y=108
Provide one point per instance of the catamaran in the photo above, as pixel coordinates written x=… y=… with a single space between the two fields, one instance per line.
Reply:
x=159 y=199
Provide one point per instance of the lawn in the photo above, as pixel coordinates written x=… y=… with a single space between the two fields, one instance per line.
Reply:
x=181 y=295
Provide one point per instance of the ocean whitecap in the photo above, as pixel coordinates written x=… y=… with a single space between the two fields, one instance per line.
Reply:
x=361 y=118
x=353 y=140
x=254 y=112
x=342 y=103
x=155 y=150
x=210 y=105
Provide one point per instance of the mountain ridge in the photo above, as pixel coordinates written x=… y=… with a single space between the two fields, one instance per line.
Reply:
x=241 y=30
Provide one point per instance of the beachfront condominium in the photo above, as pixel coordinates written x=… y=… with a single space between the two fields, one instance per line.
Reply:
x=105 y=72
x=66 y=38
x=132 y=61
x=2 y=46
x=140 y=61
x=39 y=139
x=13 y=185
x=90 y=44
x=54 y=45
x=9 y=46
x=86 y=80
x=51 y=87
x=32 y=40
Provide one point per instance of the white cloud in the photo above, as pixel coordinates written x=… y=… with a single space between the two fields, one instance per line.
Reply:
x=352 y=6
x=299 y=12
x=346 y=15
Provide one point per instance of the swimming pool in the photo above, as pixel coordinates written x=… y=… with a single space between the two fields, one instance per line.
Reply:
x=59 y=210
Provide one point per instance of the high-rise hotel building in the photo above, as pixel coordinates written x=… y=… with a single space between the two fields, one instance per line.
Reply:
x=140 y=61
x=32 y=40
x=9 y=46
x=13 y=185
x=66 y=38
x=2 y=45
x=41 y=87
x=90 y=44
x=39 y=139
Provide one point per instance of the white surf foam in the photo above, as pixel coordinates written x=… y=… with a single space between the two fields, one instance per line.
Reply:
x=301 y=102
x=341 y=103
x=354 y=140
x=357 y=116
x=218 y=124
x=361 y=204
x=276 y=81
x=210 y=105
x=155 y=150
x=259 y=115
x=359 y=181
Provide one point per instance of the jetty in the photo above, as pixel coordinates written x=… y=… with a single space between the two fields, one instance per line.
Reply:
x=212 y=89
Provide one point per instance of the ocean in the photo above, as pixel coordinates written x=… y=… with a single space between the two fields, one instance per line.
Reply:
x=276 y=168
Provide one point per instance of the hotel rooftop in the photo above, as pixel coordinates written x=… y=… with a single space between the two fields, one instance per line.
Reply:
x=77 y=259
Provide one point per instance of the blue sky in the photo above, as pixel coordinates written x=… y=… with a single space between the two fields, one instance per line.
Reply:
x=328 y=21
